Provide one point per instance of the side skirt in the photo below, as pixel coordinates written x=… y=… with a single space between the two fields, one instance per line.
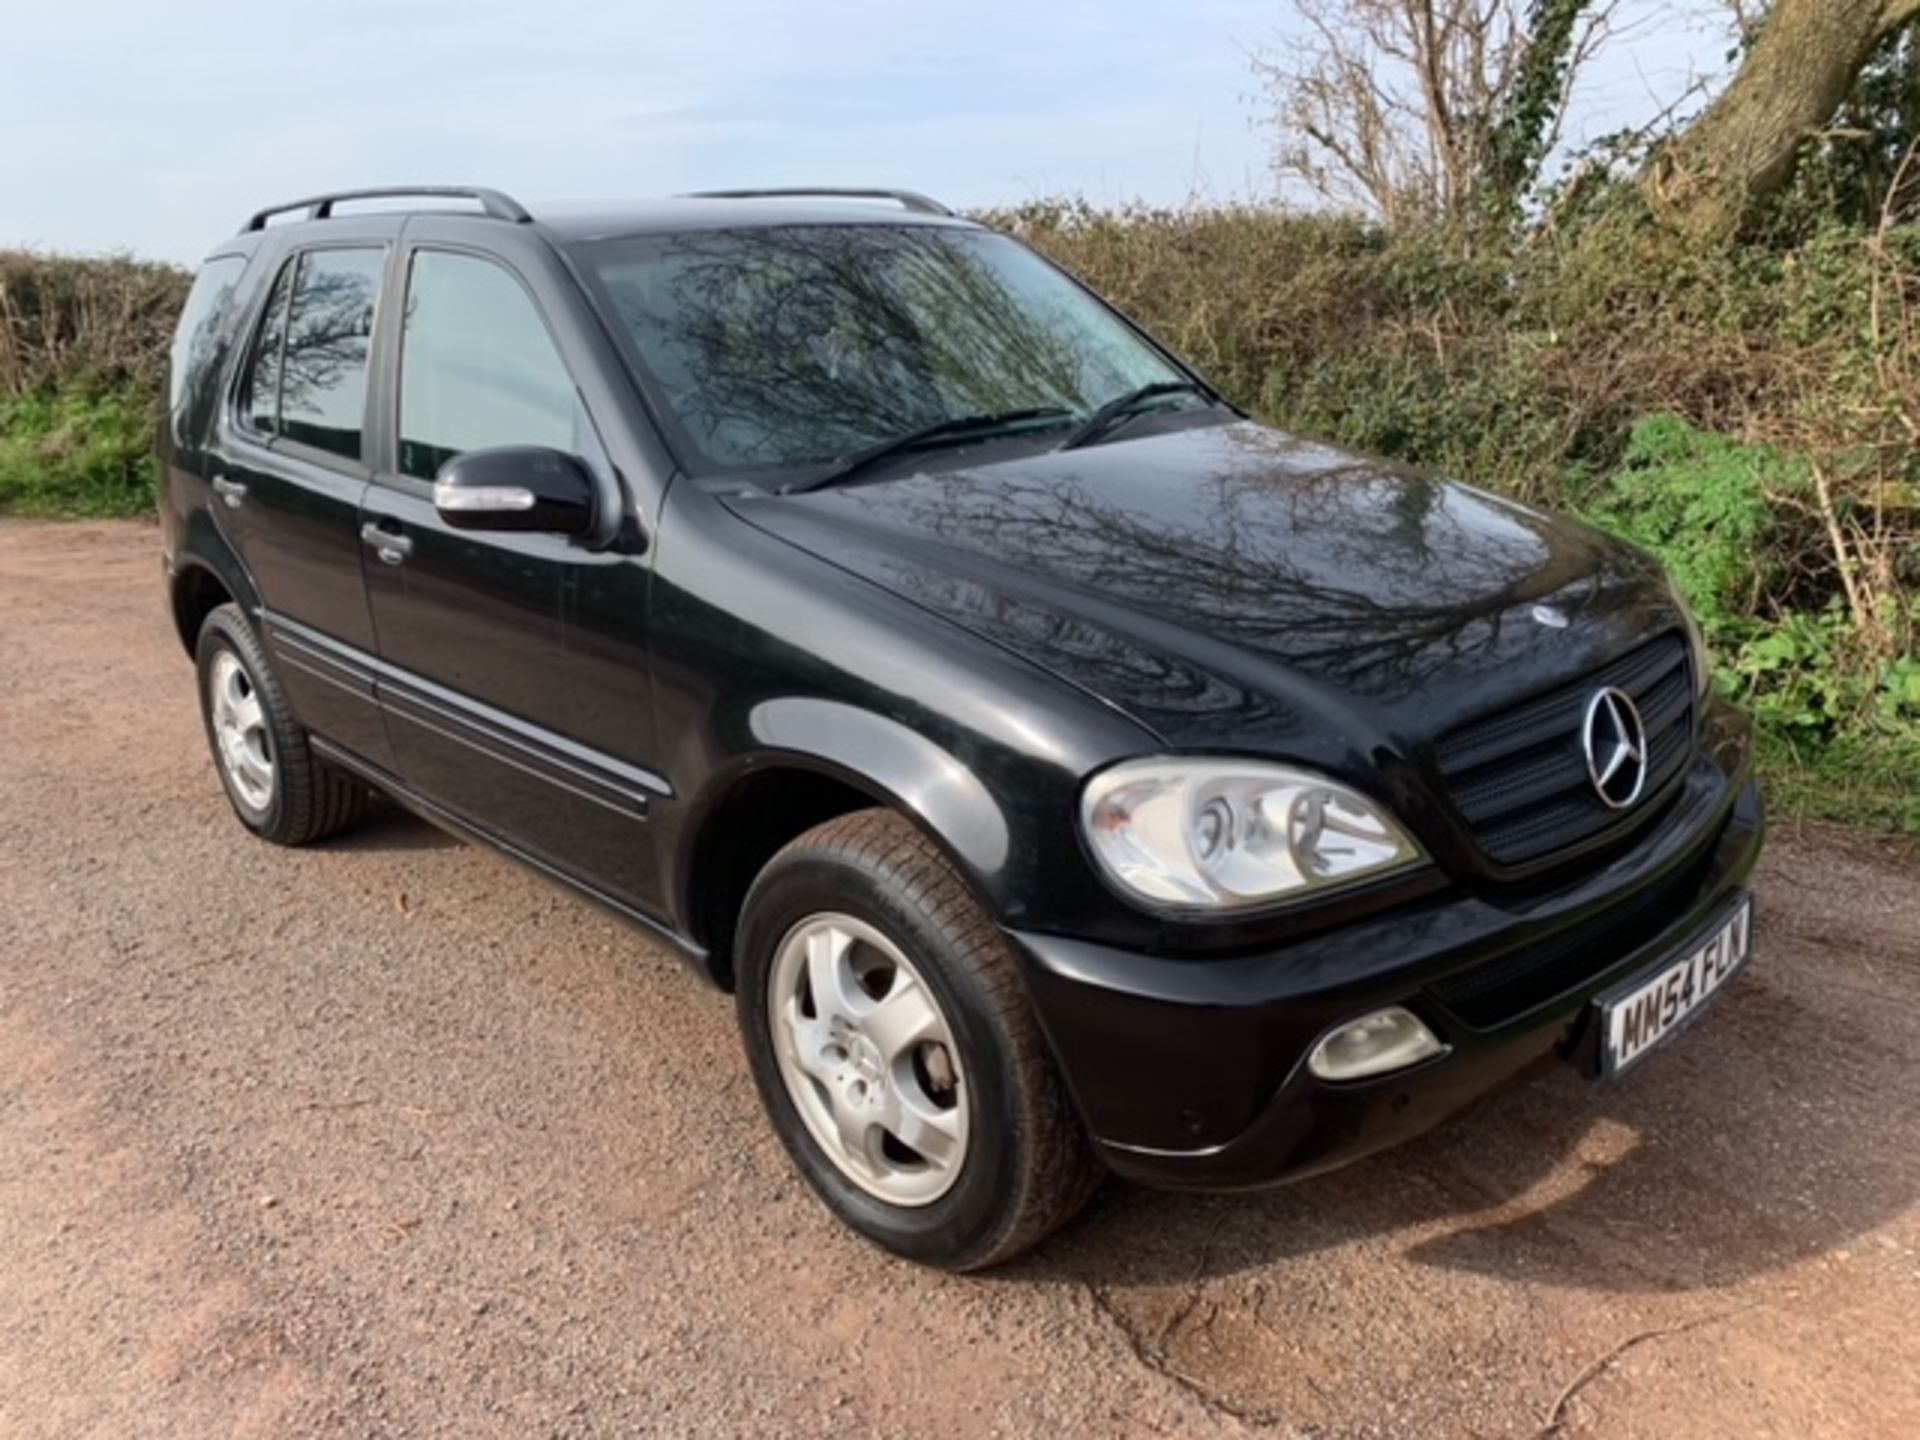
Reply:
x=694 y=954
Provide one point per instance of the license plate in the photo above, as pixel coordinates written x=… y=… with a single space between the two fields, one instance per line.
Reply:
x=1634 y=1020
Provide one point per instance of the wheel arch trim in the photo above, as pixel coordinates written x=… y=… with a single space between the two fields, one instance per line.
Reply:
x=205 y=552
x=899 y=765
x=869 y=755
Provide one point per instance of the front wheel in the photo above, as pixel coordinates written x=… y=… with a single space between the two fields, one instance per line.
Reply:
x=893 y=1045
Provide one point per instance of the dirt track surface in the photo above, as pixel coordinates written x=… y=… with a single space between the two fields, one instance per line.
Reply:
x=389 y=1137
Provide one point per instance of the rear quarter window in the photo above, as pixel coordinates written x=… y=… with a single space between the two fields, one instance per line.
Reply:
x=306 y=371
x=197 y=335
x=323 y=378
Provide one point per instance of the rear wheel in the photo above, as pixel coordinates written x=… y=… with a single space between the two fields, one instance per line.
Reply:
x=896 y=1053
x=280 y=790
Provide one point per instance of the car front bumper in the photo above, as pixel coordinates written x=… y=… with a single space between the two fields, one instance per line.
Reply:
x=1191 y=1072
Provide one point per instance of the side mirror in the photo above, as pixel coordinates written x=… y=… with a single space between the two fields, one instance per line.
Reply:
x=517 y=487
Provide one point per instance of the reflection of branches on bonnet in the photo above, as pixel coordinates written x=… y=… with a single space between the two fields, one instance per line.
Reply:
x=331 y=324
x=828 y=340
x=1366 y=573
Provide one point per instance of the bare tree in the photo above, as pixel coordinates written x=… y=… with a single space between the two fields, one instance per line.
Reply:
x=1417 y=111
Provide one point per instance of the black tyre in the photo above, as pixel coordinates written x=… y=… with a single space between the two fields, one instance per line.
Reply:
x=891 y=1039
x=277 y=787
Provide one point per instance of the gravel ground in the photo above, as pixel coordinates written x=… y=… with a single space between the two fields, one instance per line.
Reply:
x=389 y=1137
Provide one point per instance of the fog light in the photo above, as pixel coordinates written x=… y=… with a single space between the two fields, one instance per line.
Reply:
x=1389 y=1039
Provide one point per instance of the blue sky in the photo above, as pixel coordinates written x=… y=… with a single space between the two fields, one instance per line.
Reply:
x=154 y=127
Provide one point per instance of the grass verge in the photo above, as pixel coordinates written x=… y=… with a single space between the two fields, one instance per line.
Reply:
x=72 y=454
x=1856 y=779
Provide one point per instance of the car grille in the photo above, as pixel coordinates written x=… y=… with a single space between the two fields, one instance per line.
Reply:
x=1519 y=778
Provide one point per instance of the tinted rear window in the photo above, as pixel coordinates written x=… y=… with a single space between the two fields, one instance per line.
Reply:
x=260 y=402
x=195 y=337
x=323 y=381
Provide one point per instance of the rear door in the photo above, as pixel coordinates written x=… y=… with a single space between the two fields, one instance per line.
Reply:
x=483 y=692
x=289 y=467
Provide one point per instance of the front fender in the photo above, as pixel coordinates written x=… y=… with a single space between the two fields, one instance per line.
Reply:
x=740 y=814
x=917 y=775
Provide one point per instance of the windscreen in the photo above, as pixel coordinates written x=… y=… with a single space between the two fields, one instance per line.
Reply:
x=783 y=346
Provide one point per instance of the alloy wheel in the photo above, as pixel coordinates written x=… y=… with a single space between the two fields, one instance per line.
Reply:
x=240 y=731
x=868 y=1058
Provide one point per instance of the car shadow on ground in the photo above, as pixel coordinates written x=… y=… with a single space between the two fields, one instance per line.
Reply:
x=1758 y=1141
x=391 y=827
x=1762 y=1137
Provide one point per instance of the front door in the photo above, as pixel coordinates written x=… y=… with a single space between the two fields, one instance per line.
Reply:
x=288 y=473
x=480 y=687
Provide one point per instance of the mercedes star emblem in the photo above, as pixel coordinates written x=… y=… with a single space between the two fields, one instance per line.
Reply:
x=1616 y=743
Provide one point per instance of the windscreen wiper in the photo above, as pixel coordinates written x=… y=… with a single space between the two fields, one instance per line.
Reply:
x=1130 y=403
x=957 y=427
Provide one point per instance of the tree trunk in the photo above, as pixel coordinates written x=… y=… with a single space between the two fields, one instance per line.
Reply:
x=1742 y=151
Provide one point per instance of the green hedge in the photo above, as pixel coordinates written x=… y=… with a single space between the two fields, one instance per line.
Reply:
x=83 y=349
x=72 y=453
x=1748 y=412
x=70 y=322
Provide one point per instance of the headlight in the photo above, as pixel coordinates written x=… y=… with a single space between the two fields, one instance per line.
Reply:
x=1231 y=834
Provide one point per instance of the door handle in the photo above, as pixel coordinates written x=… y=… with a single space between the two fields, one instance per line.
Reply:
x=231 y=491
x=392 y=547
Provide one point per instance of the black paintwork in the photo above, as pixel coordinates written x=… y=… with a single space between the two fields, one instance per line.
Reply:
x=965 y=637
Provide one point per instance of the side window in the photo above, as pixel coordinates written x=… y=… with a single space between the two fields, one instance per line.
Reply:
x=260 y=398
x=199 y=325
x=477 y=367
x=323 y=385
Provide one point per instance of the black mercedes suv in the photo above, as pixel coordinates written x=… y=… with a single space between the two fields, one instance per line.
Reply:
x=1065 y=772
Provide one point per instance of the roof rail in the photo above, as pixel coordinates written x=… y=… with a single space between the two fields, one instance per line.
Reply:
x=319 y=207
x=906 y=199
